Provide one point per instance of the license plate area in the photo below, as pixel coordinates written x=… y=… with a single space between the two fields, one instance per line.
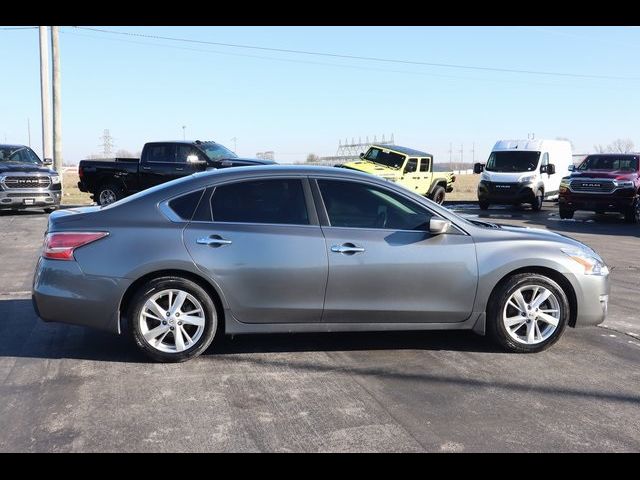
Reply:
x=29 y=201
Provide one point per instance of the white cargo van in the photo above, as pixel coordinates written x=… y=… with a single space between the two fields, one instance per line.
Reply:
x=523 y=171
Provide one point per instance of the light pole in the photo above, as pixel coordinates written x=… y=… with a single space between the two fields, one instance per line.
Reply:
x=44 y=93
x=184 y=135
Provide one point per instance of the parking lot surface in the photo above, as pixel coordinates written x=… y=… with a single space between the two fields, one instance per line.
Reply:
x=66 y=388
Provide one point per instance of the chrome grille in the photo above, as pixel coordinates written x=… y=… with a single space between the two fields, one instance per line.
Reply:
x=592 y=186
x=27 y=194
x=27 y=182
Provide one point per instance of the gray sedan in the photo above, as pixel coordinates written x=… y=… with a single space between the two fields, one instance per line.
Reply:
x=307 y=249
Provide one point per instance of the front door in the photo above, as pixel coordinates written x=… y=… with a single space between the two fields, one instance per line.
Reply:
x=384 y=265
x=158 y=165
x=263 y=250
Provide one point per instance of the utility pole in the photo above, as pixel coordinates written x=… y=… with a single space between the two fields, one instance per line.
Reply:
x=107 y=143
x=461 y=155
x=234 y=144
x=473 y=153
x=57 y=120
x=184 y=129
x=29 y=131
x=450 y=157
x=44 y=93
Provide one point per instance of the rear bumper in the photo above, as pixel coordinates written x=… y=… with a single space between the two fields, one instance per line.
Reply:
x=26 y=198
x=82 y=187
x=515 y=193
x=593 y=202
x=62 y=292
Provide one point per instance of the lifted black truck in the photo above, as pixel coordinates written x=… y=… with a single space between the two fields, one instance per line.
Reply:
x=110 y=180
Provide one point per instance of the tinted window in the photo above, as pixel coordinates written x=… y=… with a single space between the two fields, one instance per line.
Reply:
x=412 y=165
x=33 y=156
x=512 y=161
x=424 y=165
x=185 y=151
x=390 y=159
x=185 y=205
x=352 y=204
x=610 y=162
x=261 y=201
x=161 y=152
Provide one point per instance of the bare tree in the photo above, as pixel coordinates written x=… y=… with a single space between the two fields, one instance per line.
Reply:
x=122 y=153
x=600 y=149
x=621 y=145
x=312 y=158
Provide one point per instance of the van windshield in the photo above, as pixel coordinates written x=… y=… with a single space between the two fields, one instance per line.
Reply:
x=512 y=161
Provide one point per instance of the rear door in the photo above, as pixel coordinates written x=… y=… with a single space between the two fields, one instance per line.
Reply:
x=384 y=265
x=259 y=240
x=158 y=164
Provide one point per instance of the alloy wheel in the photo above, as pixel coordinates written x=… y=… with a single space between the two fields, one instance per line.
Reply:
x=531 y=314
x=107 y=196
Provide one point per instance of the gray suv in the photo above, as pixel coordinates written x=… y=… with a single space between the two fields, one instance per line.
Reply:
x=26 y=181
x=307 y=249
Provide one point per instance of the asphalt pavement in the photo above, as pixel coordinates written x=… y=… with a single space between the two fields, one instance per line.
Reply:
x=66 y=388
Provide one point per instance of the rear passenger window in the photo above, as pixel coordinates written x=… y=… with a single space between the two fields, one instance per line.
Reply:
x=424 y=164
x=261 y=201
x=185 y=205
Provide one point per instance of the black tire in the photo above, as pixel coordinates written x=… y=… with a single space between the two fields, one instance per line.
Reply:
x=438 y=194
x=157 y=285
x=108 y=193
x=483 y=205
x=503 y=291
x=536 y=205
x=566 y=213
x=632 y=214
x=50 y=209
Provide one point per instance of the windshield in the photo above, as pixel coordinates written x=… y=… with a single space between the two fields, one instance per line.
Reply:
x=393 y=160
x=512 y=161
x=18 y=155
x=216 y=152
x=625 y=163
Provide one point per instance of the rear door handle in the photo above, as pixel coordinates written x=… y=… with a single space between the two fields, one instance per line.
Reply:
x=347 y=249
x=213 y=241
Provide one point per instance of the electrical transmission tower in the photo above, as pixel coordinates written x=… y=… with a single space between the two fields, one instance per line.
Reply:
x=107 y=143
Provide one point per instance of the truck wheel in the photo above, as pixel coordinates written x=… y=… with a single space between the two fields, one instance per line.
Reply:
x=438 y=195
x=566 y=213
x=483 y=205
x=536 y=206
x=527 y=313
x=632 y=215
x=109 y=193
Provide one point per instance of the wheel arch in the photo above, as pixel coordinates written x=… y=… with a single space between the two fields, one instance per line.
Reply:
x=554 y=275
x=125 y=301
x=439 y=181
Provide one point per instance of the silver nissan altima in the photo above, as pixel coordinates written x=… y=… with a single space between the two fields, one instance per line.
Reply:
x=307 y=249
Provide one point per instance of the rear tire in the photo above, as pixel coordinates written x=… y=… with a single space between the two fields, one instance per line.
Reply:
x=180 y=326
x=483 y=205
x=503 y=309
x=536 y=206
x=438 y=195
x=108 y=194
x=566 y=213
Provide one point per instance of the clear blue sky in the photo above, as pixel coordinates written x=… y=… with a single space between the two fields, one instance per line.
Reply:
x=145 y=89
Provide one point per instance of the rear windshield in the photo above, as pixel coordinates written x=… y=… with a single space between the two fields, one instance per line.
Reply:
x=626 y=163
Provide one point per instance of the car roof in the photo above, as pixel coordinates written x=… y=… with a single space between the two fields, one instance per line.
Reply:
x=612 y=154
x=405 y=150
x=259 y=170
x=185 y=142
x=6 y=145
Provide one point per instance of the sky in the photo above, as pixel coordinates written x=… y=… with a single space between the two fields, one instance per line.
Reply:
x=146 y=89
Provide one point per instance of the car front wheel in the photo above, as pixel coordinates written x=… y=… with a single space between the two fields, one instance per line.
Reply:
x=527 y=313
x=172 y=319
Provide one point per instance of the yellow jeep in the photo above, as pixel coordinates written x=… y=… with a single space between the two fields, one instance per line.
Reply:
x=407 y=167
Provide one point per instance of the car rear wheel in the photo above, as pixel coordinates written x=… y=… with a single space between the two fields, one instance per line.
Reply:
x=527 y=313
x=109 y=193
x=536 y=206
x=438 y=195
x=566 y=213
x=172 y=319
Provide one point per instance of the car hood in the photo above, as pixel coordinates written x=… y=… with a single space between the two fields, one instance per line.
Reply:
x=14 y=167
x=514 y=232
x=371 y=167
x=609 y=174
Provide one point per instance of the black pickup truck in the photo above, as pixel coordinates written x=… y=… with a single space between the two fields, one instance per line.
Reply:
x=111 y=180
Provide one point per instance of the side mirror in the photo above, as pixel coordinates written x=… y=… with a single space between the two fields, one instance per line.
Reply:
x=361 y=154
x=572 y=168
x=478 y=168
x=549 y=169
x=47 y=161
x=226 y=163
x=438 y=225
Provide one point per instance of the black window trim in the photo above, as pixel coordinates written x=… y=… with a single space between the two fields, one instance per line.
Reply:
x=171 y=214
x=324 y=216
x=306 y=189
x=175 y=153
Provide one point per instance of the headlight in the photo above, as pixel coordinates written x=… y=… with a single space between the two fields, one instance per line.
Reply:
x=588 y=259
x=624 y=184
x=55 y=178
x=527 y=179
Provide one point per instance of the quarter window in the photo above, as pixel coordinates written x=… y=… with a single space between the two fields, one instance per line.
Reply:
x=185 y=205
x=359 y=205
x=278 y=201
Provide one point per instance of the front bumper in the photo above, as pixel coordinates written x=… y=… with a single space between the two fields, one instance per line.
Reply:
x=592 y=298
x=62 y=292
x=506 y=193
x=596 y=202
x=30 y=197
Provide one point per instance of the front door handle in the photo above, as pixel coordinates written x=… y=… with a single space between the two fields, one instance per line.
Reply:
x=179 y=169
x=347 y=249
x=213 y=241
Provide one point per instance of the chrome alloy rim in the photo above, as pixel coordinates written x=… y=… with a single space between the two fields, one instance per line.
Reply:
x=107 y=197
x=172 y=321
x=531 y=314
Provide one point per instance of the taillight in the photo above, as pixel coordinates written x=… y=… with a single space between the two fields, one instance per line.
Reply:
x=60 y=246
x=80 y=172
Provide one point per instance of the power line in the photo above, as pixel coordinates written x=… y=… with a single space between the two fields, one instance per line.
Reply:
x=357 y=57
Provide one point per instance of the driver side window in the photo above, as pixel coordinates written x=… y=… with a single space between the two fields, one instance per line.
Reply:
x=360 y=205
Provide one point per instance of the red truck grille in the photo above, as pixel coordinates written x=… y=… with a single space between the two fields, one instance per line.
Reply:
x=27 y=182
x=592 y=186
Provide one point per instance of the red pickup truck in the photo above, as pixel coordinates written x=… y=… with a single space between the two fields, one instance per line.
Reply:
x=603 y=182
